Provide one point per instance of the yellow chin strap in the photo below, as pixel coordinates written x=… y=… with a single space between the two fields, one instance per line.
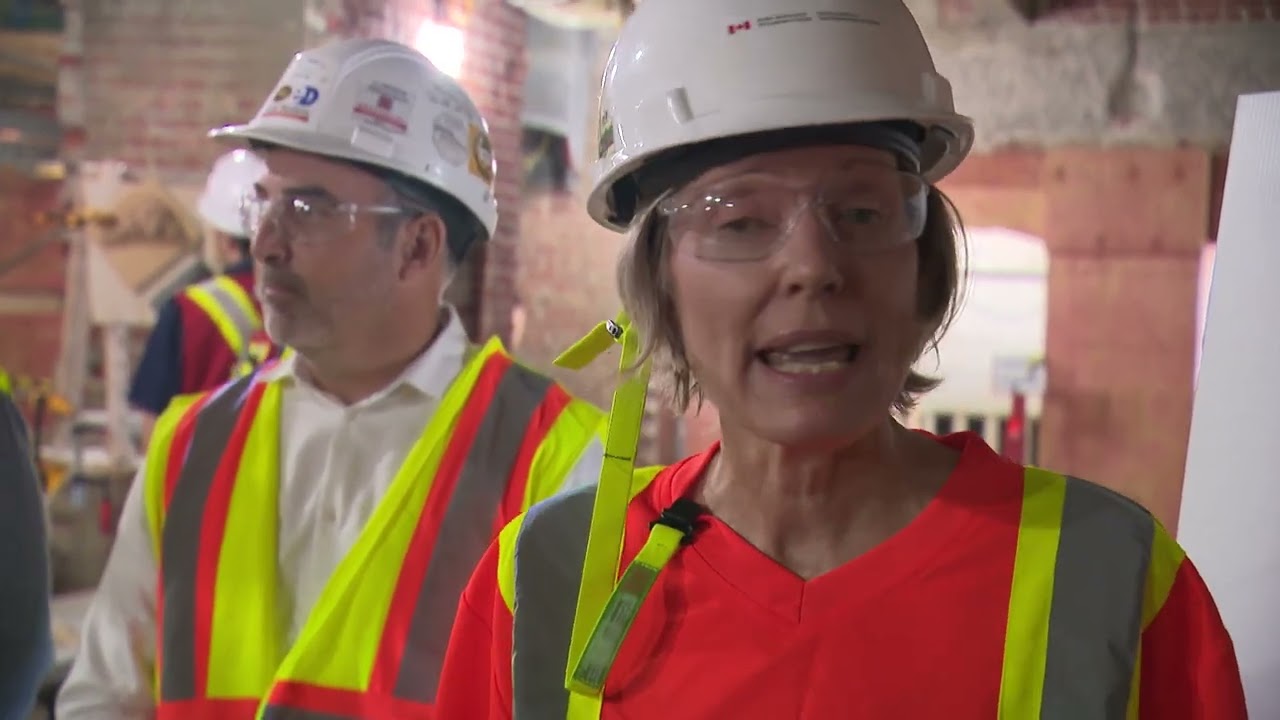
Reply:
x=608 y=516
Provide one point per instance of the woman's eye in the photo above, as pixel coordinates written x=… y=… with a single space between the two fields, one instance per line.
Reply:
x=743 y=225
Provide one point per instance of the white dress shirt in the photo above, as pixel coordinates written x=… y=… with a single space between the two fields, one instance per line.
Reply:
x=336 y=460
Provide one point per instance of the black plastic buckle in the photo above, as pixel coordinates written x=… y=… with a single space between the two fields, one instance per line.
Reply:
x=613 y=328
x=683 y=515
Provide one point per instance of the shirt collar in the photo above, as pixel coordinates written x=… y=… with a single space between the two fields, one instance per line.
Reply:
x=430 y=374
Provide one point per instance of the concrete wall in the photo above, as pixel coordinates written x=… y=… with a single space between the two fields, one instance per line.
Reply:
x=1088 y=76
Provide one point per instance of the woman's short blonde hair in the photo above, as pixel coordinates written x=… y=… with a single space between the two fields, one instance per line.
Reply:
x=644 y=282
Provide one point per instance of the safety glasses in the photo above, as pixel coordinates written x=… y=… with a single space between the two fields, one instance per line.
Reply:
x=307 y=218
x=748 y=218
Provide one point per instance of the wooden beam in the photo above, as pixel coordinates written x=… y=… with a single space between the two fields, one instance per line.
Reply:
x=30 y=303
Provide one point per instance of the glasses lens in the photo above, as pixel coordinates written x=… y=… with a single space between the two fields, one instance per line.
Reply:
x=870 y=209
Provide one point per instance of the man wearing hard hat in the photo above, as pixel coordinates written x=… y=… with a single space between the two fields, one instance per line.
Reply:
x=297 y=540
x=212 y=330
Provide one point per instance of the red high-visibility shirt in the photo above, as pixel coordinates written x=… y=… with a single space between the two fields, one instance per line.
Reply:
x=913 y=629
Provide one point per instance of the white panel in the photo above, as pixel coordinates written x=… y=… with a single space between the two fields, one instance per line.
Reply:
x=1202 y=298
x=1231 y=498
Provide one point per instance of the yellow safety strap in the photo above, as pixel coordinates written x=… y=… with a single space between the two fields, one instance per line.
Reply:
x=605 y=608
x=6 y=387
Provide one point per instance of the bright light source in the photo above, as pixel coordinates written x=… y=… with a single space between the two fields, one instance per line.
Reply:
x=444 y=46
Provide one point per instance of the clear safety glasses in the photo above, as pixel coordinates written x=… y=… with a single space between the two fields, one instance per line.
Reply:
x=749 y=217
x=307 y=218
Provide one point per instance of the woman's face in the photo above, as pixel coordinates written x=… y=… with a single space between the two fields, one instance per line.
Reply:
x=795 y=284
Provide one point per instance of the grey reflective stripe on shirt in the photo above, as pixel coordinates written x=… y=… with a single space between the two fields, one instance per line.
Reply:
x=550 y=549
x=465 y=533
x=226 y=301
x=1094 y=622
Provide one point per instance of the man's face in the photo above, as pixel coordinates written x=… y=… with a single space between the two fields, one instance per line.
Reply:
x=325 y=266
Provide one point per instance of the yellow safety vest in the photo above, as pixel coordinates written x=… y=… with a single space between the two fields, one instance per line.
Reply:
x=234 y=314
x=502 y=439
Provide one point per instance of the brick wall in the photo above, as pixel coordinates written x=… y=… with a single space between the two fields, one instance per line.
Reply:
x=494 y=74
x=159 y=74
x=29 y=292
x=150 y=77
x=144 y=80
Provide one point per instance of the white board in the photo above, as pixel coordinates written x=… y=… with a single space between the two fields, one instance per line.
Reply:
x=1202 y=298
x=1231 y=498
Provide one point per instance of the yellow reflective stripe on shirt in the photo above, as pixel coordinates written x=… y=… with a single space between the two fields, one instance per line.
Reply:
x=1031 y=595
x=1069 y=526
x=249 y=550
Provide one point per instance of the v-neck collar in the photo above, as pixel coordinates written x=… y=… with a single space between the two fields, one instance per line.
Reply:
x=980 y=477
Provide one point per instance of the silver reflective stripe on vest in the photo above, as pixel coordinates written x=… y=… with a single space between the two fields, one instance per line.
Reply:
x=465 y=533
x=1094 y=620
x=180 y=538
x=467 y=528
x=550 y=549
x=245 y=325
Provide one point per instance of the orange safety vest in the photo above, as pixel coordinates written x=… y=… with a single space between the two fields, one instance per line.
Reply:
x=1080 y=548
x=373 y=645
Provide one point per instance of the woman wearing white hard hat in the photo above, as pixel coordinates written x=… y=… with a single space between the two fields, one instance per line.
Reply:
x=789 y=259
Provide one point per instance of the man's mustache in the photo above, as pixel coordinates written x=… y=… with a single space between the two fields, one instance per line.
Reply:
x=281 y=279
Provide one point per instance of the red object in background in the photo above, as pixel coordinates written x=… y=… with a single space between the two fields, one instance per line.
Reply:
x=106 y=516
x=1015 y=430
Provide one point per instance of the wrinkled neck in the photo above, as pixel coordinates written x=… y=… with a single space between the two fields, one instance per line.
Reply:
x=815 y=510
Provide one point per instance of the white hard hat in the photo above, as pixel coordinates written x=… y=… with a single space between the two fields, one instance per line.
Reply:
x=385 y=105
x=229 y=182
x=683 y=73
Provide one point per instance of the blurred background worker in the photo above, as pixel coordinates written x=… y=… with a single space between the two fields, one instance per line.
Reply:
x=26 y=646
x=312 y=525
x=210 y=331
x=789 y=258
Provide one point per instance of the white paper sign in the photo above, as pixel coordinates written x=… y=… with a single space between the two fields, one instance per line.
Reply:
x=1230 y=521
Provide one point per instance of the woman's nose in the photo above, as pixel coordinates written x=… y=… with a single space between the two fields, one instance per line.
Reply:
x=809 y=256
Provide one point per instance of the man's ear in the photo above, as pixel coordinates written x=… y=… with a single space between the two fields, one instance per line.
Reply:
x=423 y=244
